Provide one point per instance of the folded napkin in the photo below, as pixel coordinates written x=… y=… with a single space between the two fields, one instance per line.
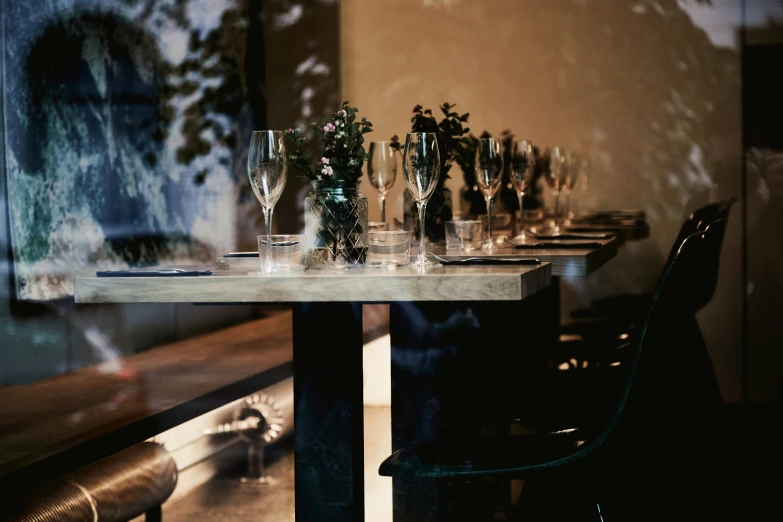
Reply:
x=577 y=235
x=154 y=272
x=241 y=254
x=557 y=245
x=487 y=260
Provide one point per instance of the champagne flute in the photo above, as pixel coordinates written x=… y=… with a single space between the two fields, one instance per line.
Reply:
x=489 y=174
x=556 y=171
x=575 y=162
x=523 y=167
x=267 y=170
x=421 y=168
x=382 y=171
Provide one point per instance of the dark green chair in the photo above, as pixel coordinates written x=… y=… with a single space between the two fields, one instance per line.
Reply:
x=651 y=448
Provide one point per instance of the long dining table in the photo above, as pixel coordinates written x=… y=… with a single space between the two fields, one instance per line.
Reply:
x=444 y=320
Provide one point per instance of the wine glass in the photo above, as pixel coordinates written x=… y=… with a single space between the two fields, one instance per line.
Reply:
x=523 y=167
x=382 y=171
x=575 y=162
x=267 y=170
x=489 y=174
x=556 y=171
x=421 y=167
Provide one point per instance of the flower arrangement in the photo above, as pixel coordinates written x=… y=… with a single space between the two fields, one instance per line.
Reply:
x=449 y=132
x=343 y=153
x=335 y=210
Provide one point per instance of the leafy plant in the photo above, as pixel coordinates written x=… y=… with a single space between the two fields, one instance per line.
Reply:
x=343 y=153
x=449 y=133
x=466 y=159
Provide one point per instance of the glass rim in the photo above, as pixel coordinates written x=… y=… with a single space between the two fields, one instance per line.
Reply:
x=463 y=221
x=264 y=131
x=280 y=238
x=390 y=232
x=421 y=133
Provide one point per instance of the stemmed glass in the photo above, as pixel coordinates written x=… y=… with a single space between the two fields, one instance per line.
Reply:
x=382 y=171
x=575 y=162
x=267 y=170
x=556 y=172
x=523 y=166
x=489 y=174
x=421 y=167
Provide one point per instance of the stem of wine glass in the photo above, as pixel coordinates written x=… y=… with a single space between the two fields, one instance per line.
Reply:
x=383 y=208
x=489 y=221
x=568 y=206
x=557 y=210
x=521 y=196
x=267 y=257
x=421 y=258
x=255 y=460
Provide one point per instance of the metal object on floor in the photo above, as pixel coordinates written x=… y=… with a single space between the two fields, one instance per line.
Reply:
x=261 y=419
x=116 y=489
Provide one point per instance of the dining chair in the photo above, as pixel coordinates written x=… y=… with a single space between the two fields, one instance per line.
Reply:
x=663 y=413
x=614 y=323
x=633 y=306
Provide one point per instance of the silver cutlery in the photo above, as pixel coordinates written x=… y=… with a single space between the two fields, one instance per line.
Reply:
x=488 y=260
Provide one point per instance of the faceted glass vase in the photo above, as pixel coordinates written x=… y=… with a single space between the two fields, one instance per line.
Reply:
x=335 y=225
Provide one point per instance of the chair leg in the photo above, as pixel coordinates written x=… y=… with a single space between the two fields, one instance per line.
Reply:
x=600 y=514
x=154 y=514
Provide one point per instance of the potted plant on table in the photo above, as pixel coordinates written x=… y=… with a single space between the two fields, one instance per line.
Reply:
x=449 y=132
x=335 y=209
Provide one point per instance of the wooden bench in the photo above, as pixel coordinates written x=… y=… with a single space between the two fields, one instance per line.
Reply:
x=54 y=426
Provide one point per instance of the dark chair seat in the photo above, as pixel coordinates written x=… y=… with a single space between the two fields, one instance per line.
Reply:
x=511 y=455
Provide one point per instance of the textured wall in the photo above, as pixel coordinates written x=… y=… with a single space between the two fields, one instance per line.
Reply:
x=636 y=85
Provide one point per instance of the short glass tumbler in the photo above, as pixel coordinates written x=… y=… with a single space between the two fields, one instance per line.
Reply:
x=286 y=251
x=389 y=248
x=377 y=225
x=464 y=235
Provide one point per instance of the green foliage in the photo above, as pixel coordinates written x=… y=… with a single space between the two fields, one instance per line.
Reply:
x=466 y=159
x=343 y=148
x=449 y=133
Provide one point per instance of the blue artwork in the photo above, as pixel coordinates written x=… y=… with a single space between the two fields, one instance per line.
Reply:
x=124 y=130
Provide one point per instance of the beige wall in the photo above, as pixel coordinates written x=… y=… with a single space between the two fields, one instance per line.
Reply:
x=644 y=92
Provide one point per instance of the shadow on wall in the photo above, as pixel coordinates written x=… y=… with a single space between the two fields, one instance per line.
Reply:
x=638 y=87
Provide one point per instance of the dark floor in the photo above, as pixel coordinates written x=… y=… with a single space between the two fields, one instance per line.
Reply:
x=748 y=483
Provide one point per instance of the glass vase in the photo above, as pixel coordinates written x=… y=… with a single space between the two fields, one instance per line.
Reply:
x=335 y=225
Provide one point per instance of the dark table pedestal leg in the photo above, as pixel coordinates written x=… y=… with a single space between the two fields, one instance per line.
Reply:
x=452 y=365
x=329 y=419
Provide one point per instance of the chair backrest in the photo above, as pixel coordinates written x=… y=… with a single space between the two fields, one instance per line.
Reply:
x=699 y=220
x=680 y=293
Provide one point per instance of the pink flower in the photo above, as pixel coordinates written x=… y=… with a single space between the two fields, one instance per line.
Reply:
x=342 y=113
x=329 y=127
x=290 y=131
x=327 y=171
x=325 y=161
